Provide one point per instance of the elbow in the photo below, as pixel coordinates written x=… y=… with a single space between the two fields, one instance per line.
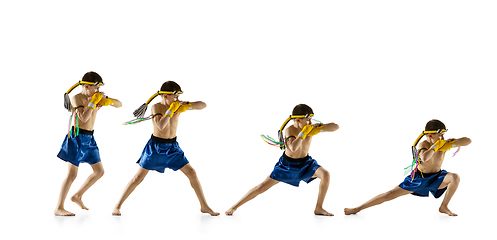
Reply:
x=293 y=148
x=425 y=158
x=465 y=141
x=84 y=120
x=161 y=127
x=201 y=105
x=290 y=148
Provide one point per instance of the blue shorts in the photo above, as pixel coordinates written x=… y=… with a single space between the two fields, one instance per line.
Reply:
x=292 y=171
x=160 y=153
x=421 y=186
x=80 y=149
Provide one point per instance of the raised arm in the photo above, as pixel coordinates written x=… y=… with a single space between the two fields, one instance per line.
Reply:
x=292 y=142
x=117 y=103
x=427 y=151
x=199 y=105
x=161 y=119
x=318 y=128
x=84 y=112
x=330 y=127
x=464 y=141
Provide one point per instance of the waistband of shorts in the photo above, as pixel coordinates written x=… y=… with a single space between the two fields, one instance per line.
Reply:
x=427 y=175
x=295 y=160
x=163 y=140
x=84 y=131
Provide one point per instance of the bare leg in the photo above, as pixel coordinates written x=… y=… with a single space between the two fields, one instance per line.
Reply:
x=324 y=175
x=135 y=181
x=252 y=193
x=451 y=181
x=66 y=184
x=390 y=195
x=98 y=172
x=195 y=183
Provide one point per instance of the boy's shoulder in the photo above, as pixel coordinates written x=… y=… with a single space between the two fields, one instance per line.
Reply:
x=291 y=129
x=159 y=107
x=424 y=144
x=78 y=99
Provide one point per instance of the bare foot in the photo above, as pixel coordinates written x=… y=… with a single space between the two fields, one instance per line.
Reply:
x=209 y=211
x=230 y=212
x=320 y=211
x=77 y=200
x=63 y=212
x=349 y=211
x=116 y=212
x=446 y=210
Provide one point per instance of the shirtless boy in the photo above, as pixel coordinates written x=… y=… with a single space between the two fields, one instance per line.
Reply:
x=429 y=177
x=162 y=150
x=80 y=146
x=296 y=165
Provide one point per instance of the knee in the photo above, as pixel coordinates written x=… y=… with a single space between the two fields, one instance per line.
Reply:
x=71 y=176
x=325 y=175
x=455 y=178
x=99 y=173
x=137 y=179
x=191 y=173
x=261 y=188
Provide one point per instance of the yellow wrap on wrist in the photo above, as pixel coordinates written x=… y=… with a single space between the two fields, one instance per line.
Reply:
x=305 y=131
x=184 y=108
x=448 y=146
x=317 y=130
x=438 y=145
x=107 y=102
x=173 y=108
x=95 y=98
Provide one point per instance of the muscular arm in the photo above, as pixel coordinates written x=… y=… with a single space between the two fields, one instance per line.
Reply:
x=463 y=141
x=293 y=143
x=199 y=105
x=426 y=155
x=84 y=112
x=160 y=119
x=117 y=103
x=330 y=127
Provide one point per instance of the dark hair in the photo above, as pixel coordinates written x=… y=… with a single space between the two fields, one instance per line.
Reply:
x=302 y=109
x=170 y=86
x=434 y=124
x=92 y=77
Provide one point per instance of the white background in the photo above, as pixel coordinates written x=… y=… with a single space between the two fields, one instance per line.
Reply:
x=379 y=69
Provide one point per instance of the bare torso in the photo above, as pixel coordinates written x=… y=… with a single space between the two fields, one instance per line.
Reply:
x=82 y=100
x=435 y=162
x=306 y=144
x=169 y=131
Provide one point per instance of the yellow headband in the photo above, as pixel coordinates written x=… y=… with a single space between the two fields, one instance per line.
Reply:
x=67 y=100
x=161 y=92
x=427 y=132
x=293 y=117
x=83 y=82
x=140 y=112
